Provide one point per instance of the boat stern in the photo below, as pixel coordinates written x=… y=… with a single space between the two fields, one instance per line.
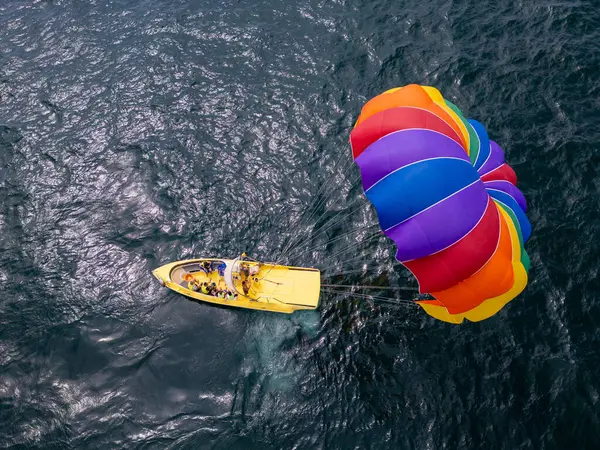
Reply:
x=297 y=287
x=307 y=287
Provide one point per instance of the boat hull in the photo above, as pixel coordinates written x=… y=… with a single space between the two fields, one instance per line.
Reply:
x=281 y=289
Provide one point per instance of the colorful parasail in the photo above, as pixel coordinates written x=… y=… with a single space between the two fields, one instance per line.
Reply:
x=445 y=196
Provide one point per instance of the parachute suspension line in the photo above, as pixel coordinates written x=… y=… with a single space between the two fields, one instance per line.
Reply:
x=321 y=189
x=328 y=222
x=342 y=154
x=352 y=260
x=323 y=201
x=363 y=268
x=367 y=273
x=349 y=272
x=291 y=241
x=355 y=257
x=289 y=246
x=356 y=244
x=325 y=198
x=316 y=202
x=292 y=244
x=337 y=238
x=397 y=301
x=360 y=286
x=394 y=264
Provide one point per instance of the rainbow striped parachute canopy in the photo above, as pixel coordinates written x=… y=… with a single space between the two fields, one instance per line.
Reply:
x=445 y=196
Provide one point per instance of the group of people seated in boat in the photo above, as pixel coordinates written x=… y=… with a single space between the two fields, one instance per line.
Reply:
x=248 y=275
x=207 y=288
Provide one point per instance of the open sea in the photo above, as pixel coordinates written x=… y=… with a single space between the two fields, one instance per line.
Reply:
x=135 y=133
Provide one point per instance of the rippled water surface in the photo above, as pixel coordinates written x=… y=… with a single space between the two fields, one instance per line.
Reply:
x=137 y=133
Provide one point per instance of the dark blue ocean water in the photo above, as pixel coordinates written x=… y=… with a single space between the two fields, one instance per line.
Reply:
x=134 y=133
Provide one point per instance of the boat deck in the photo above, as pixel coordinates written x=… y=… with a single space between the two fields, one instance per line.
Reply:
x=274 y=288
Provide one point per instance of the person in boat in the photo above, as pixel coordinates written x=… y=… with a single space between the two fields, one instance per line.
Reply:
x=246 y=287
x=204 y=288
x=221 y=266
x=221 y=294
x=229 y=296
x=244 y=270
x=192 y=284
x=206 y=266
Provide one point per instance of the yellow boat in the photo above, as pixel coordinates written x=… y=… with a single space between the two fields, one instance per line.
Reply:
x=254 y=285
